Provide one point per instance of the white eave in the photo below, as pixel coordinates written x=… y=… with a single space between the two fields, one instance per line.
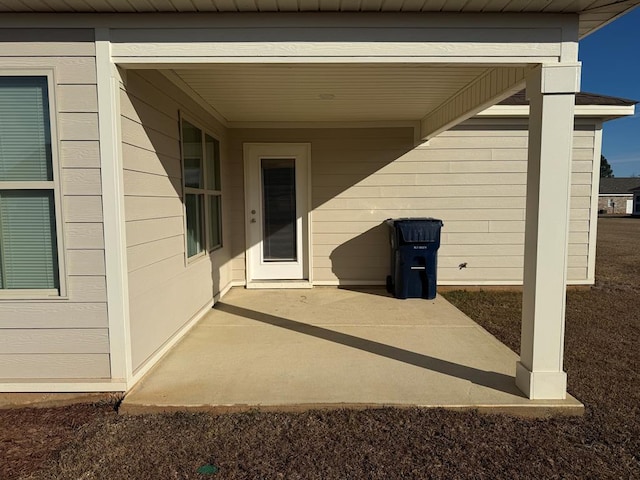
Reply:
x=593 y=13
x=605 y=112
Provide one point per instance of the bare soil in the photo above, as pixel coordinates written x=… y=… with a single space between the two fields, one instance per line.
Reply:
x=602 y=360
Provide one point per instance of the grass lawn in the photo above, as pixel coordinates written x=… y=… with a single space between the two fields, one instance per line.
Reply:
x=602 y=362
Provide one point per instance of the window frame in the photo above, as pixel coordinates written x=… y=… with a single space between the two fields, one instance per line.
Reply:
x=206 y=192
x=55 y=185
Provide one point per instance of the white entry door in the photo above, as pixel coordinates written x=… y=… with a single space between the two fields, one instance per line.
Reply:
x=277 y=210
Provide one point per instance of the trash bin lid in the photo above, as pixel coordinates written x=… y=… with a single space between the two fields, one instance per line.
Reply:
x=419 y=230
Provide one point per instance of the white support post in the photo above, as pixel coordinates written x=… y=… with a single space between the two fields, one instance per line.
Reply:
x=551 y=90
x=115 y=251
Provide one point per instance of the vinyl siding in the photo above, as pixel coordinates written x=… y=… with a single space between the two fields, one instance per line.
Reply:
x=472 y=177
x=165 y=291
x=64 y=338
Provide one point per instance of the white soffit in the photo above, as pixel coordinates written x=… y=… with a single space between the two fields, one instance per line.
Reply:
x=593 y=13
x=326 y=92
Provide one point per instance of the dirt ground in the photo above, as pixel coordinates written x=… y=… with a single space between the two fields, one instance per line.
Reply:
x=602 y=353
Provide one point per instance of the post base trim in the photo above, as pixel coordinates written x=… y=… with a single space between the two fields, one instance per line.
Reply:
x=541 y=385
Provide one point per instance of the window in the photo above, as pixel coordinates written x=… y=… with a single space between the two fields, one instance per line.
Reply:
x=29 y=238
x=202 y=190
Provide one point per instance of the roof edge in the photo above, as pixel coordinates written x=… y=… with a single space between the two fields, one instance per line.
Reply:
x=611 y=19
x=582 y=98
x=605 y=112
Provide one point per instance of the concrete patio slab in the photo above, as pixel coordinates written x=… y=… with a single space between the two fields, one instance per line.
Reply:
x=329 y=347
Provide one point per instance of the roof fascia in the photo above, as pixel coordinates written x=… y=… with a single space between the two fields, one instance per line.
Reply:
x=606 y=112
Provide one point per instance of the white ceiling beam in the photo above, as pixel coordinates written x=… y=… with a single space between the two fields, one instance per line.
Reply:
x=194 y=63
x=488 y=89
x=524 y=39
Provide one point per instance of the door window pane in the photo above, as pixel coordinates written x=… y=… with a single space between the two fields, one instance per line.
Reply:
x=195 y=217
x=25 y=133
x=192 y=152
x=279 y=209
x=28 y=250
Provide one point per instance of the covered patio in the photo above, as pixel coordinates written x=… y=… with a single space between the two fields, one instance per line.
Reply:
x=331 y=348
x=321 y=75
x=386 y=82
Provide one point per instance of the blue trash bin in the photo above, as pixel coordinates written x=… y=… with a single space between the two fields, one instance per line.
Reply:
x=414 y=257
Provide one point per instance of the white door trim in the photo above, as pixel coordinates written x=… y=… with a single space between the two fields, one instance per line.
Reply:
x=300 y=151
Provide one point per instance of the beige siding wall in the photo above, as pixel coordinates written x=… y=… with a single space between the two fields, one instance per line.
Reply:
x=165 y=291
x=64 y=338
x=473 y=177
x=340 y=159
x=489 y=172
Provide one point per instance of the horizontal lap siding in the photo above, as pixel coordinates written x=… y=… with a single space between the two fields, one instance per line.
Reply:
x=164 y=291
x=68 y=338
x=364 y=150
x=236 y=199
x=352 y=245
x=472 y=177
x=501 y=238
x=327 y=145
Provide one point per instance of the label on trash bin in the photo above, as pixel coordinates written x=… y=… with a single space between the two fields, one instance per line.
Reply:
x=420 y=247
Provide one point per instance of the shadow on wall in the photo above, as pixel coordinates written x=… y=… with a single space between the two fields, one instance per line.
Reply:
x=366 y=256
x=341 y=158
x=158 y=146
x=152 y=156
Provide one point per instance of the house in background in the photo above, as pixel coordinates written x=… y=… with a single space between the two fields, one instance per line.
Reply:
x=619 y=196
x=151 y=162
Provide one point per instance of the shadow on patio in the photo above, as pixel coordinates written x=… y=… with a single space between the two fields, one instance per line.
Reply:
x=328 y=347
x=493 y=380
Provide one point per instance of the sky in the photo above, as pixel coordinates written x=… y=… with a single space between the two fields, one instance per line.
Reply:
x=611 y=66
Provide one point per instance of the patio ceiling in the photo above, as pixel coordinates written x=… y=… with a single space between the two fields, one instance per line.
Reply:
x=326 y=92
x=593 y=13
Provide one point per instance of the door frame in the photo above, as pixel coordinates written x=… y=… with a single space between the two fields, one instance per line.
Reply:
x=298 y=150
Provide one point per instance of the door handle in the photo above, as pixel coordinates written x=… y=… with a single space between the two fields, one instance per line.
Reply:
x=253 y=220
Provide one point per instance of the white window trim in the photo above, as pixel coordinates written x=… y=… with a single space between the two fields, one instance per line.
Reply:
x=209 y=249
x=55 y=185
